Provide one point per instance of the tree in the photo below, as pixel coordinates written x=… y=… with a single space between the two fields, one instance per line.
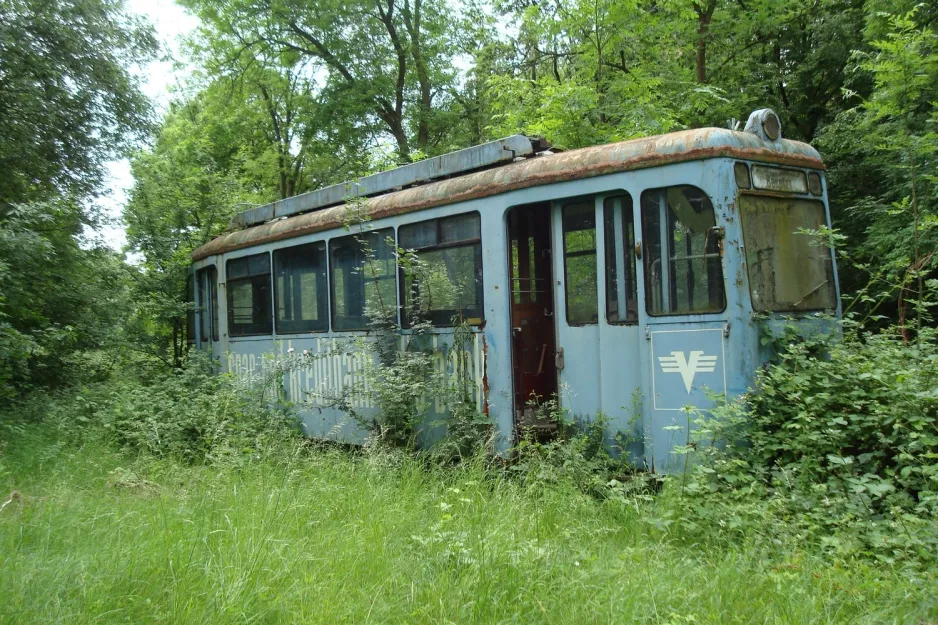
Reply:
x=593 y=71
x=893 y=132
x=186 y=188
x=286 y=130
x=59 y=301
x=68 y=101
x=385 y=63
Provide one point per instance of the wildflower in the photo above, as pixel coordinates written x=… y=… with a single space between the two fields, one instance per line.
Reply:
x=291 y=350
x=306 y=352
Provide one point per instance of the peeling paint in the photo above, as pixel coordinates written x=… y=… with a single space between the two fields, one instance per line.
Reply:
x=485 y=375
x=689 y=145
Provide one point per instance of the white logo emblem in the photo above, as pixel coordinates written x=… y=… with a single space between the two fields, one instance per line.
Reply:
x=688 y=367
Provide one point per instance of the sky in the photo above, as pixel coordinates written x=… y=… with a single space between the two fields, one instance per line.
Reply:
x=171 y=22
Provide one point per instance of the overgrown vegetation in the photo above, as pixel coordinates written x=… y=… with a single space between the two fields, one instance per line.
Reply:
x=193 y=415
x=812 y=499
x=326 y=537
x=384 y=536
x=137 y=483
x=838 y=443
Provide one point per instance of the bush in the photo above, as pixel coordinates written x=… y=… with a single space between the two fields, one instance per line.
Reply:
x=864 y=421
x=840 y=440
x=576 y=455
x=192 y=414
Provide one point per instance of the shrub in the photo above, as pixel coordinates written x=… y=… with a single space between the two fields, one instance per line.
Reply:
x=840 y=440
x=577 y=454
x=191 y=414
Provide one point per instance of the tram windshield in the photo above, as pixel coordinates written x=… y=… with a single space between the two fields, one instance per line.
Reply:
x=789 y=269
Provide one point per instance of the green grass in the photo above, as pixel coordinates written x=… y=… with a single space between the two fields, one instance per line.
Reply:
x=330 y=538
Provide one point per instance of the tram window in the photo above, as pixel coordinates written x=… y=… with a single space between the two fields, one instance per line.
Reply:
x=190 y=312
x=207 y=280
x=621 y=282
x=525 y=289
x=363 y=272
x=249 y=302
x=300 y=289
x=683 y=269
x=444 y=286
x=788 y=270
x=579 y=262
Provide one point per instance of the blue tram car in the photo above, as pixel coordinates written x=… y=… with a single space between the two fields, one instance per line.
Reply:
x=632 y=279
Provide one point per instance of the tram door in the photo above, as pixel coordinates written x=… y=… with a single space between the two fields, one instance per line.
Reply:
x=533 y=345
x=598 y=339
x=684 y=321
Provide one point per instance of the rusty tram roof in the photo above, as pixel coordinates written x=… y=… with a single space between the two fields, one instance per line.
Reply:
x=676 y=147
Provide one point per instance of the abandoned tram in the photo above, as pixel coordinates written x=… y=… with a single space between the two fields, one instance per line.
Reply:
x=632 y=279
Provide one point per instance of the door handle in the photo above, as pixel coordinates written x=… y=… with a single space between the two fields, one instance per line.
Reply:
x=558 y=359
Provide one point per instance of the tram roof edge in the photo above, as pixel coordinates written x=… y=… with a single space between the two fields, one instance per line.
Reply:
x=458 y=163
x=687 y=145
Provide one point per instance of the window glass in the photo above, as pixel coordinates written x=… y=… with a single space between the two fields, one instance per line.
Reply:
x=529 y=262
x=460 y=228
x=249 y=300
x=579 y=261
x=300 y=289
x=444 y=285
x=683 y=269
x=213 y=292
x=190 y=312
x=621 y=283
x=788 y=271
x=363 y=280
x=415 y=236
x=207 y=280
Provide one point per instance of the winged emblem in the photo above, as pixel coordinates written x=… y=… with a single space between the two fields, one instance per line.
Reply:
x=688 y=367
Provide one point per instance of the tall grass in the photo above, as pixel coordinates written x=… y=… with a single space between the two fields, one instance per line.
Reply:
x=324 y=536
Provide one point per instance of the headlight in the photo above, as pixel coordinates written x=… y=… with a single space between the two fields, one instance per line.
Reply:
x=766 y=124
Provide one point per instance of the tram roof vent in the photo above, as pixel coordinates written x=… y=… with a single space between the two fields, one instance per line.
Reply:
x=478 y=157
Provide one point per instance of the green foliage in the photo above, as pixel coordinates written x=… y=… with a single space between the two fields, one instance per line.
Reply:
x=281 y=133
x=838 y=444
x=375 y=68
x=48 y=326
x=186 y=188
x=197 y=415
x=883 y=152
x=329 y=537
x=193 y=415
x=68 y=100
x=578 y=454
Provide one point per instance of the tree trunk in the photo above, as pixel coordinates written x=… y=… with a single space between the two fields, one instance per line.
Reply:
x=413 y=25
x=704 y=16
x=915 y=237
x=394 y=116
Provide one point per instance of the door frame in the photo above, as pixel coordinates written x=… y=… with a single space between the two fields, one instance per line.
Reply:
x=521 y=417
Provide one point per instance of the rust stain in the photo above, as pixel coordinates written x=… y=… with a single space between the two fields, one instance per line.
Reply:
x=485 y=376
x=778 y=194
x=601 y=160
